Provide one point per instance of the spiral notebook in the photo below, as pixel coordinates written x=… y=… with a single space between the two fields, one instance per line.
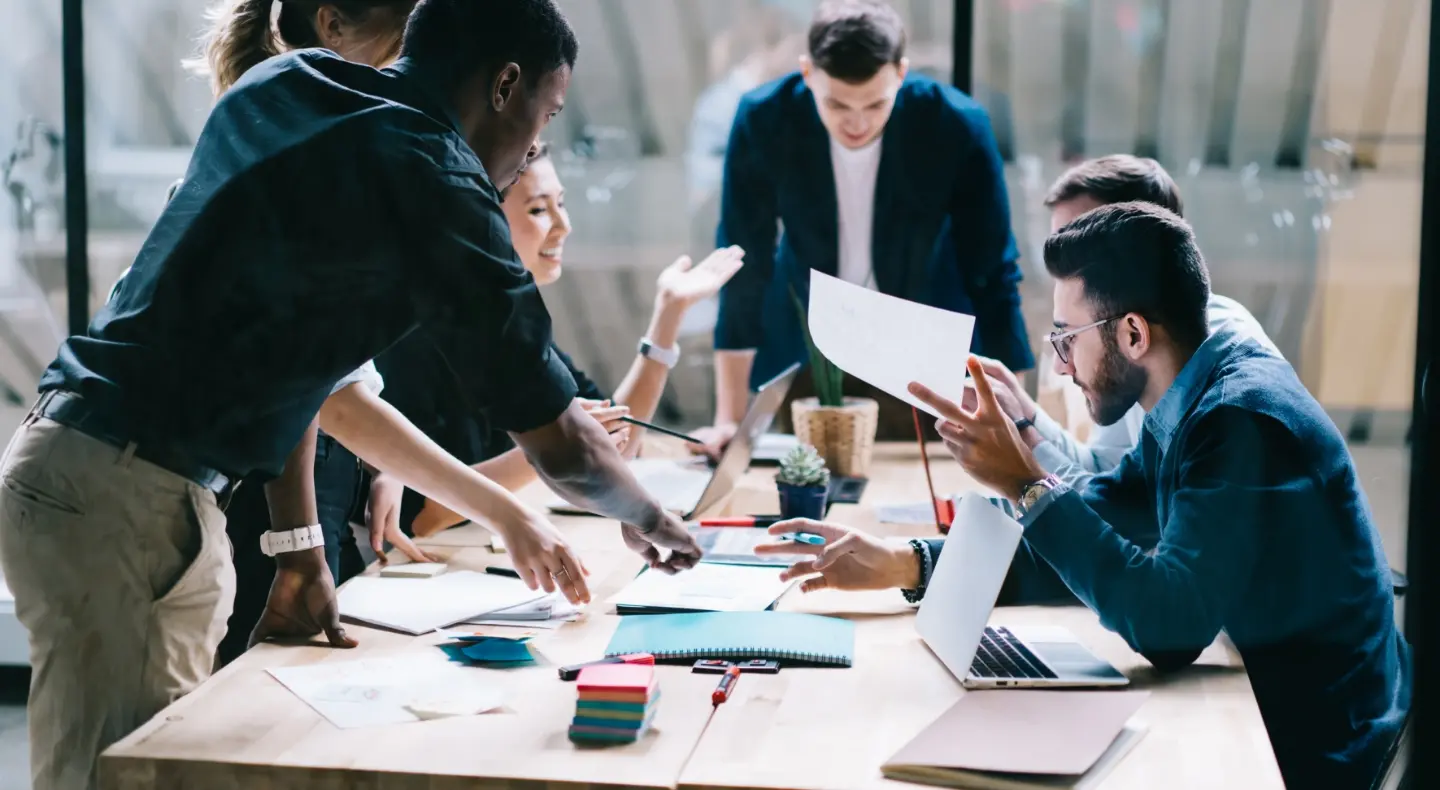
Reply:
x=776 y=636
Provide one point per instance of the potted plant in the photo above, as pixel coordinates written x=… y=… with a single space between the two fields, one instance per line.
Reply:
x=841 y=429
x=803 y=482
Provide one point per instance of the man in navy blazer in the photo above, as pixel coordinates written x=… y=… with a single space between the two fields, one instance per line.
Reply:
x=886 y=179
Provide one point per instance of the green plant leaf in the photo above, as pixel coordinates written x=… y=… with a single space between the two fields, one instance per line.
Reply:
x=828 y=378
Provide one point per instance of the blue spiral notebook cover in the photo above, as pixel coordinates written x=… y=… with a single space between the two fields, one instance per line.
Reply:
x=740 y=636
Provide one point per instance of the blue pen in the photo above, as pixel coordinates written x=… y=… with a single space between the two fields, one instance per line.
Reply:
x=806 y=537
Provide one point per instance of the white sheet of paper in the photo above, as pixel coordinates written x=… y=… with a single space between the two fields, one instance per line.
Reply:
x=419 y=606
x=379 y=691
x=706 y=587
x=889 y=342
x=549 y=612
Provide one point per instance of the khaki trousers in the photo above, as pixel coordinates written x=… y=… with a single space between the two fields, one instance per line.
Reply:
x=121 y=573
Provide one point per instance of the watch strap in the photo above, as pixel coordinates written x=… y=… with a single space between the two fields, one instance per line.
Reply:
x=665 y=356
x=1032 y=493
x=286 y=541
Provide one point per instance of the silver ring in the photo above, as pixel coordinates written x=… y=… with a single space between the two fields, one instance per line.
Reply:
x=565 y=571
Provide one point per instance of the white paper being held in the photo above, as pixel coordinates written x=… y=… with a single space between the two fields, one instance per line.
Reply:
x=889 y=342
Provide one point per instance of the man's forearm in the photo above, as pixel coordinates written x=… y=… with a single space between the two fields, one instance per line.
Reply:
x=291 y=496
x=577 y=459
x=732 y=384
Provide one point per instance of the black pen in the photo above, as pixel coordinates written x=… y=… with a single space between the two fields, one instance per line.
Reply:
x=502 y=572
x=666 y=431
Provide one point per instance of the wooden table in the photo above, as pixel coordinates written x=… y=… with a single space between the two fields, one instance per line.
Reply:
x=803 y=729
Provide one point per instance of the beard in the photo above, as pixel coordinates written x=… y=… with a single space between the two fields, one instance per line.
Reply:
x=1116 y=387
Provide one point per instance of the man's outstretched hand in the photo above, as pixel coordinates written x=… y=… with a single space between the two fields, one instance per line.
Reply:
x=669 y=535
x=302 y=602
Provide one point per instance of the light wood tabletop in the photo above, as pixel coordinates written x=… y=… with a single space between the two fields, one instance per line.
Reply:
x=799 y=729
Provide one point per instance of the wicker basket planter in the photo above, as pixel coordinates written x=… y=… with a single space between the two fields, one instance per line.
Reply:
x=843 y=435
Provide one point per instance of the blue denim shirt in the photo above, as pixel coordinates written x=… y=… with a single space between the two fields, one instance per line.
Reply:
x=1240 y=511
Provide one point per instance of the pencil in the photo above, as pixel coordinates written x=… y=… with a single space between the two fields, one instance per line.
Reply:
x=666 y=431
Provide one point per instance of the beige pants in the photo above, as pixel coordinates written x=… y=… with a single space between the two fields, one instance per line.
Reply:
x=121 y=573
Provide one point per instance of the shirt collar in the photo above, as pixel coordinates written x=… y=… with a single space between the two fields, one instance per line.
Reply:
x=427 y=84
x=1190 y=384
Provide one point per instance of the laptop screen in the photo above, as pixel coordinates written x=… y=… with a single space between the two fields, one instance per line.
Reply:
x=966 y=581
x=736 y=458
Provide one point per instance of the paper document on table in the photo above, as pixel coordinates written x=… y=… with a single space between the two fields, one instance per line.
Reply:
x=419 y=606
x=889 y=342
x=907 y=513
x=552 y=611
x=379 y=691
x=707 y=587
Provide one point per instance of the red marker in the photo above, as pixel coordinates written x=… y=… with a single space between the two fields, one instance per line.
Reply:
x=741 y=521
x=727 y=685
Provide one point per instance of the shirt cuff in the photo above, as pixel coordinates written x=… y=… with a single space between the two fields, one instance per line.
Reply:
x=366 y=374
x=1042 y=503
x=1048 y=427
x=1051 y=457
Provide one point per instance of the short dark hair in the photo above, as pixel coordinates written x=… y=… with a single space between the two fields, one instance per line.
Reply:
x=851 y=40
x=461 y=37
x=1117 y=179
x=1136 y=257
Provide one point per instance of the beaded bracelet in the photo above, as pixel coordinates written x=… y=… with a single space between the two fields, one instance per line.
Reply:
x=922 y=557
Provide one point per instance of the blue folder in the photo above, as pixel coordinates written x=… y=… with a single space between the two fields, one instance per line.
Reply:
x=738 y=636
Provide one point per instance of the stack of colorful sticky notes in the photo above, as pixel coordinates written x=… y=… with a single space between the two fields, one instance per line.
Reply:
x=616 y=703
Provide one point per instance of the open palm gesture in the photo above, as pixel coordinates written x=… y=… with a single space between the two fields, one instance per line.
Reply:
x=683 y=283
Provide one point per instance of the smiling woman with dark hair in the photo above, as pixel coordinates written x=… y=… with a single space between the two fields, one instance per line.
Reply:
x=420 y=386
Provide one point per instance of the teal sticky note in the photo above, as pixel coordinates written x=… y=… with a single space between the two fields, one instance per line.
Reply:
x=497 y=651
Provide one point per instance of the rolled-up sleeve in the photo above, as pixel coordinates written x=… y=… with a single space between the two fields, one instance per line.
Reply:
x=475 y=300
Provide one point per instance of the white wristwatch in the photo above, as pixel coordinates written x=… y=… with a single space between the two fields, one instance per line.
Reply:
x=301 y=539
x=665 y=356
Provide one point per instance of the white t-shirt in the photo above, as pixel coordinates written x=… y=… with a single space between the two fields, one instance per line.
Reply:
x=855 y=172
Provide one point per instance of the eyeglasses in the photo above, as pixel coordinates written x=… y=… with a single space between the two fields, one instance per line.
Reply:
x=1062 y=340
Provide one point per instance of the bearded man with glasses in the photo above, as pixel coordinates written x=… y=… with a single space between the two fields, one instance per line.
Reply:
x=1239 y=512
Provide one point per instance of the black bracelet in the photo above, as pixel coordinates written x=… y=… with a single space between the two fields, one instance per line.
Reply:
x=922 y=557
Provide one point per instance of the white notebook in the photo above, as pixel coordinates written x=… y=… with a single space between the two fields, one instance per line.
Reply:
x=419 y=606
x=707 y=587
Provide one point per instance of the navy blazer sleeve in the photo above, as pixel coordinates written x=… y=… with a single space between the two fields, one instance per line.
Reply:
x=748 y=218
x=985 y=246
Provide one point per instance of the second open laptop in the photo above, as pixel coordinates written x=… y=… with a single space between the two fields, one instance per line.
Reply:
x=954 y=616
x=690 y=490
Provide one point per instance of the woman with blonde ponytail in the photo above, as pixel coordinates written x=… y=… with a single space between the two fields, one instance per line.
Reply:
x=239 y=36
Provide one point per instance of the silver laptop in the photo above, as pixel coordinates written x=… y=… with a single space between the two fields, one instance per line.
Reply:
x=691 y=489
x=960 y=597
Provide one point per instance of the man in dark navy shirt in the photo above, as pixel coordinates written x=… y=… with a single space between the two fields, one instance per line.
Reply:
x=329 y=210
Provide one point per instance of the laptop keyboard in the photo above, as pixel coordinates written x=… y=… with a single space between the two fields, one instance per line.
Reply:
x=1001 y=655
